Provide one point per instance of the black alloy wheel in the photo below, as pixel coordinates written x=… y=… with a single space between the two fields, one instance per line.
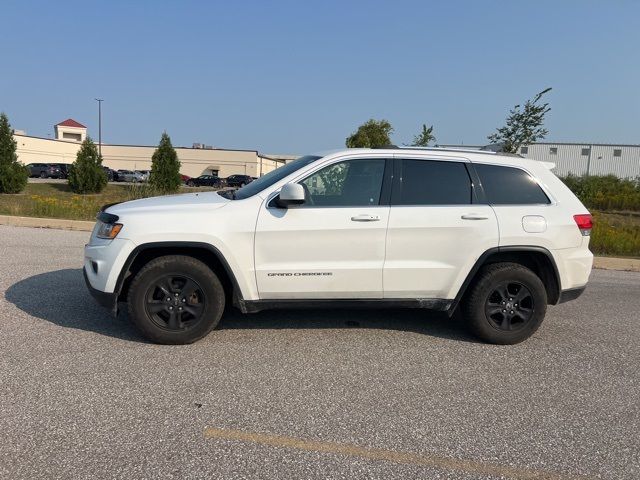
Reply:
x=176 y=299
x=509 y=306
x=505 y=304
x=175 y=302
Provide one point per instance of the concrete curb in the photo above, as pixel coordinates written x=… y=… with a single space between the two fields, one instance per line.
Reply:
x=613 y=263
x=604 y=263
x=57 y=223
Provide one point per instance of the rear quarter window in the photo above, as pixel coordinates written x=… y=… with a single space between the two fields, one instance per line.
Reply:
x=509 y=186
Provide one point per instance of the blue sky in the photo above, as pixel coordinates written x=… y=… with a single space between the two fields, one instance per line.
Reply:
x=297 y=76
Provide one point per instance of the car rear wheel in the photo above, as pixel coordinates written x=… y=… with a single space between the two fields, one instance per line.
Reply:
x=506 y=304
x=176 y=300
x=43 y=174
x=191 y=184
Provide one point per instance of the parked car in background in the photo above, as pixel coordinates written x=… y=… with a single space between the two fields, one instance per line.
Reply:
x=64 y=169
x=45 y=170
x=145 y=174
x=112 y=175
x=205 y=181
x=129 y=176
x=238 y=180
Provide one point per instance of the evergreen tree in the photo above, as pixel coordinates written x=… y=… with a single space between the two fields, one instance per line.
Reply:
x=165 y=167
x=372 y=134
x=86 y=175
x=13 y=175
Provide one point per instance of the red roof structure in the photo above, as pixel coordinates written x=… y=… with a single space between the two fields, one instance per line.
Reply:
x=70 y=122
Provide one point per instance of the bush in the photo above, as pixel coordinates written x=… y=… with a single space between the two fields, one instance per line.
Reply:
x=608 y=193
x=86 y=175
x=13 y=175
x=616 y=234
x=165 y=167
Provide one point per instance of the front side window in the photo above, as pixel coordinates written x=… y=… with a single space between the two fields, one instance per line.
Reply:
x=509 y=186
x=432 y=182
x=350 y=183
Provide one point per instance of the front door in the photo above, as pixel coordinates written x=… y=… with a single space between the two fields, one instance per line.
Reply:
x=333 y=245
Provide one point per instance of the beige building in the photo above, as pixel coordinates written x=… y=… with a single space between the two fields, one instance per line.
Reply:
x=194 y=161
x=70 y=131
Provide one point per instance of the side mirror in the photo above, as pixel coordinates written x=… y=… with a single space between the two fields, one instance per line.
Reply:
x=291 y=194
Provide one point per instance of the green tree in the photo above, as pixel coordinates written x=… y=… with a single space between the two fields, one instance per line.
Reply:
x=13 y=175
x=425 y=137
x=524 y=125
x=165 y=167
x=372 y=134
x=86 y=175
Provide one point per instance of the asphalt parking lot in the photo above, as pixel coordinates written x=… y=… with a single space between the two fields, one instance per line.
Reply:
x=316 y=394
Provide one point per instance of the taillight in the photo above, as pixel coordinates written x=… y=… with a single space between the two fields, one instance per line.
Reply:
x=585 y=223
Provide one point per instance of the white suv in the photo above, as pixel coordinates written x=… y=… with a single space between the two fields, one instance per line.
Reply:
x=499 y=235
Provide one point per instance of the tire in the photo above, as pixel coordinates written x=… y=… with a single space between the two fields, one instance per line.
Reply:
x=190 y=184
x=155 y=296
x=498 y=290
x=43 y=174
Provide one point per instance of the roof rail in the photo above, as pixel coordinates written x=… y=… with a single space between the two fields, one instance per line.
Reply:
x=464 y=150
x=451 y=149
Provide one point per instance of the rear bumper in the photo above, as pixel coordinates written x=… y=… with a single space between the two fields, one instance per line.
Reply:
x=107 y=300
x=571 y=294
x=574 y=266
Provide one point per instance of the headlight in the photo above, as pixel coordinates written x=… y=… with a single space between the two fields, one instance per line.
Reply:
x=109 y=230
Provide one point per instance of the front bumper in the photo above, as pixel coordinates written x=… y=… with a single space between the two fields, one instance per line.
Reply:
x=107 y=300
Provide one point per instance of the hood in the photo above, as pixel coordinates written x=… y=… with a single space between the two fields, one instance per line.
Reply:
x=186 y=201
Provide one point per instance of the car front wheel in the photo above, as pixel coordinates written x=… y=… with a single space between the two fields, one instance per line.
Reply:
x=176 y=300
x=506 y=304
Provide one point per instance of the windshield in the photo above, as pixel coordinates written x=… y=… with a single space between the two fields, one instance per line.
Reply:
x=274 y=176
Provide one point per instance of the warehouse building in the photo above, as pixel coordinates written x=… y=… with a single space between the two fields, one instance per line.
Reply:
x=195 y=161
x=579 y=159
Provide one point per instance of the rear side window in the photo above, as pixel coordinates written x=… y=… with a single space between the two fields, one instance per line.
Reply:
x=509 y=186
x=431 y=182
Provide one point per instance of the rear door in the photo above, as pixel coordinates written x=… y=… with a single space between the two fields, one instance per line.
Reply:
x=437 y=229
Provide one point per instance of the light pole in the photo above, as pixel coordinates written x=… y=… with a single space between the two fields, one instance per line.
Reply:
x=99 y=100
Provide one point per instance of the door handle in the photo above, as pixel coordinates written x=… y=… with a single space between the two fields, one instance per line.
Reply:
x=365 y=218
x=474 y=216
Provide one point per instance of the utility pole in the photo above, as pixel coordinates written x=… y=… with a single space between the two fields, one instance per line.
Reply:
x=99 y=100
